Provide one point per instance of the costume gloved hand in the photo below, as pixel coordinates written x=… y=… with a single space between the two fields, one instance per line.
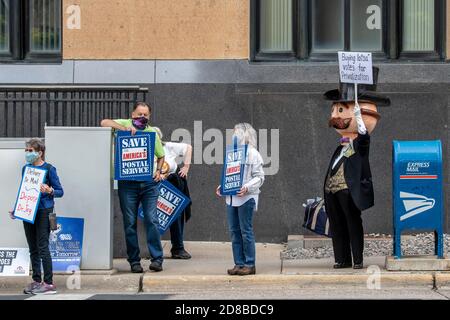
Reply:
x=358 y=116
x=357 y=110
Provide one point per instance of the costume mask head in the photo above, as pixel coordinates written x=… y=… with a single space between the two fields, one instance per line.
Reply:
x=343 y=99
x=343 y=118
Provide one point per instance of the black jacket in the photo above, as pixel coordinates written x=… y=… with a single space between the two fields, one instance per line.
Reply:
x=357 y=172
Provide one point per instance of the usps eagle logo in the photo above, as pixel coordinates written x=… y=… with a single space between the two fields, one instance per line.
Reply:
x=415 y=204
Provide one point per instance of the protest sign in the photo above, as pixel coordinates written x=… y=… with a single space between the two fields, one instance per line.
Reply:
x=134 y=156
x=27 y=202
x=171 y=203
x=66 y=243
x=233 y=169
x=14 y=262
x=355 y=67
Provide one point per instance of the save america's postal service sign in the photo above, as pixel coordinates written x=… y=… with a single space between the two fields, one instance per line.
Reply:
x=134 y=156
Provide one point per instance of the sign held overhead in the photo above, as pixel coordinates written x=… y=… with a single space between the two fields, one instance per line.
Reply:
x=355 y=67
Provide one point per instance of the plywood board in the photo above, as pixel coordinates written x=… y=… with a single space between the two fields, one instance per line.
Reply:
x=158 y=29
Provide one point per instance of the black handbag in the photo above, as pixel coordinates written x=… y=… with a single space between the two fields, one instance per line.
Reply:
x=316 y=218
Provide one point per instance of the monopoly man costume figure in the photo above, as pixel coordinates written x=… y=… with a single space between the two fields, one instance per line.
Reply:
x=348 y=188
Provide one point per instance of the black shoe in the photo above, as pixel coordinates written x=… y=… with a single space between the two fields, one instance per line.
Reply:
x=156 y=266
x=358 y=266
x=342 y=265
x=137 y=268
x=181 y=254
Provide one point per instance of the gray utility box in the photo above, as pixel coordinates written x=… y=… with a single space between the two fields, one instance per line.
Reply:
x=83 y=159
x=12 y=159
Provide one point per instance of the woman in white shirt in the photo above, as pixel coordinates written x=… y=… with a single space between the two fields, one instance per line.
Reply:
x=241 y=207
x=178 y=177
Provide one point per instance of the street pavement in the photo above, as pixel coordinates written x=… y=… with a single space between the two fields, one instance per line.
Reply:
x=270 y=292
x=204 y=277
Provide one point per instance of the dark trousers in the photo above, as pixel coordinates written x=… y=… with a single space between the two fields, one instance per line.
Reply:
x=177 y=227
x=346 y=227
x=131 y=194
x=176 y=233
x=37 y=235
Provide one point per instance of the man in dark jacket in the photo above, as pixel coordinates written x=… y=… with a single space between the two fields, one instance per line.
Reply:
x=348 y=188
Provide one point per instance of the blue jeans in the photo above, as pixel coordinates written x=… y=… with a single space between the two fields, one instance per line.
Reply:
x=131 y=193
x=240 y=222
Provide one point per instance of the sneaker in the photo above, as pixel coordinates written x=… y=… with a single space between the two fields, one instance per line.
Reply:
x=181 y=254
x=32 y=286
x=45 y=288
x=245 y=271
x=234 y=271
x=137 y=268
x=156 y=266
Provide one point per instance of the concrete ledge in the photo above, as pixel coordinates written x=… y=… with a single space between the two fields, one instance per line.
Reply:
x=151 y=283
x=442 y=281
x=241 y=71
x=114 y=71
x=310 y=242
x=417 y=263
x=295 y=241
x=307 y=242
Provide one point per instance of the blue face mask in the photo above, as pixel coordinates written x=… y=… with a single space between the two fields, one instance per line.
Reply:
x=31 y=157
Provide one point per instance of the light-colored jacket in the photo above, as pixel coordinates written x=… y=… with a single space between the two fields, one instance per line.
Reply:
x=253 y=179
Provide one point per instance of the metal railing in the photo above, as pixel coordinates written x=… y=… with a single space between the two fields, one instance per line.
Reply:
x=25 y=110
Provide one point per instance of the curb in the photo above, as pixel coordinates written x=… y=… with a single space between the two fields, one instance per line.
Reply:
x=125 y=282
x=442 y=281
x=150 y=282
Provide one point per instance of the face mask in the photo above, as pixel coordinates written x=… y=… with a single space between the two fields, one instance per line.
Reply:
x=31 y=157
x=140 y=123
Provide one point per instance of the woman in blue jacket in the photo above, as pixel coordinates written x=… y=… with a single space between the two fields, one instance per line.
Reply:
x=37 y=234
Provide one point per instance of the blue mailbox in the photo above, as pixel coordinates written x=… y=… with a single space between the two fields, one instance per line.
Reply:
x=417 y=188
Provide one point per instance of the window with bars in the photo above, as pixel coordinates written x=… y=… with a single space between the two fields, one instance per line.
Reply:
x=317 y=29
x=30 y=30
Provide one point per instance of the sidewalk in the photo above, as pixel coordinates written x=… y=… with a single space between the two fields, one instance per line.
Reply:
x=211 y=259
x=208 y=266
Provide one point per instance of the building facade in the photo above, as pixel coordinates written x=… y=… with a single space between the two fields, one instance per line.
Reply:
x=205 y=65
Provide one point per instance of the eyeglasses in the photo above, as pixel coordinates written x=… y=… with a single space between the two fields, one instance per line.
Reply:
x=29 y=150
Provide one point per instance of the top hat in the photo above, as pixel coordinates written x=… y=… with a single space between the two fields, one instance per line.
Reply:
x=366 y=92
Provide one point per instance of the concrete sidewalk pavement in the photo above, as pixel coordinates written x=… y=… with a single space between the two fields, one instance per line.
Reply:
x=207 y=270
x=211 y=259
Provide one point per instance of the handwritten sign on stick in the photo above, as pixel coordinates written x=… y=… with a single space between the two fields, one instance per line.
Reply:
x=355 y=67
x=29 y=194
